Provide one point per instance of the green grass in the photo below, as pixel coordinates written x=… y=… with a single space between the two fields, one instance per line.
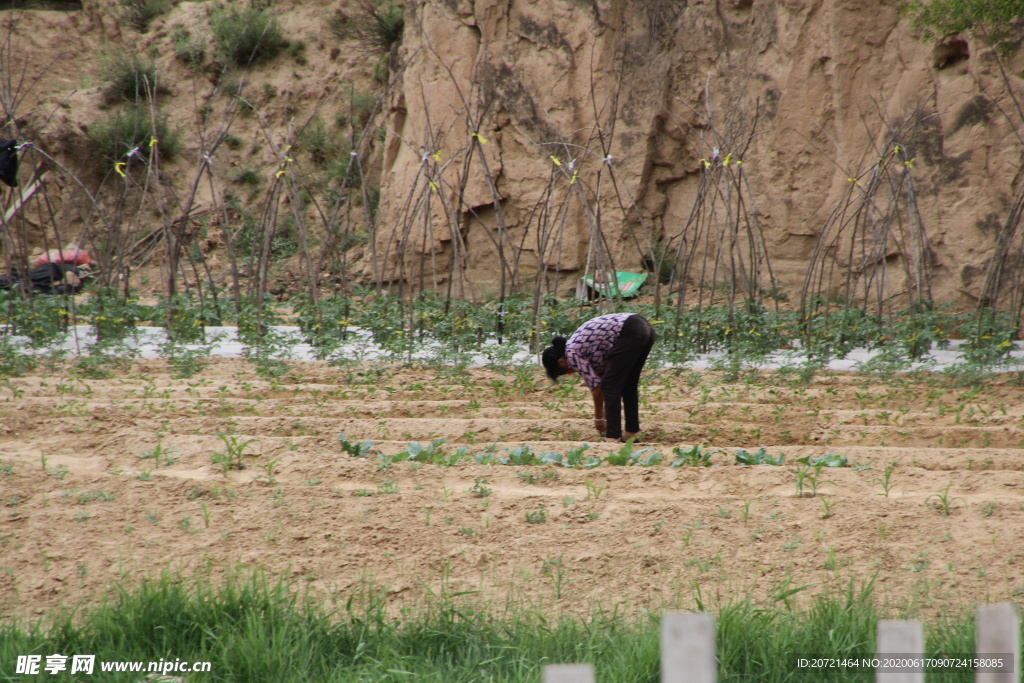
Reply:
x=259 y=630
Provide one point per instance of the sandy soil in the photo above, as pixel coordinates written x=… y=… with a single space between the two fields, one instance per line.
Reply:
x=85 y=503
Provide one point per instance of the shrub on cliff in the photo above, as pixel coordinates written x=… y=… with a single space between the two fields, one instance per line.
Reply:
x=139 y=13
x=129 y=75
x=375 y=25
x=998 y=21
x=134 y=128
x=246 y=35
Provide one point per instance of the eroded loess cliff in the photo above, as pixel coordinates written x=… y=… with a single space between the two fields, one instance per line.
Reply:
x=776 y=148
x=818 y=100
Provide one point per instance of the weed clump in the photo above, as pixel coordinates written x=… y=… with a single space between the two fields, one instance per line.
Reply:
x=322 y=144
x=246 y=35
x=129 y=76
x=139 y=13
x=189 y=48
x=137 y=128
x=375 y=25
x=250 y=235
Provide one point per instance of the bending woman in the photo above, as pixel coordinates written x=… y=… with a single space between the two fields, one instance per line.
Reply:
x=608 y=352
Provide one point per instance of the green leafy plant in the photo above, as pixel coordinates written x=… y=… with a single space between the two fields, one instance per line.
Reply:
x=551 y=458
x=627 y=456
x=536 y=516
x=694 y=456
x=479 y=488
x=13 y=362
x=360 y=449
x=526 y=477
x=828 y=460
x=575 y=457
x=102 y=360
x=420 y=453
x=520 y=455
x=758 y=457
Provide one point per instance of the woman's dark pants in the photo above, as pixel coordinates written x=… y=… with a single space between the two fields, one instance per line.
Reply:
x=621 y=377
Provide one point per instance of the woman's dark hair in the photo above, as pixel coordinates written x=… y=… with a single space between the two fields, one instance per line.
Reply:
x=550 y=358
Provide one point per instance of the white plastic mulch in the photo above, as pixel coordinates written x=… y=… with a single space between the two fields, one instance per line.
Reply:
x=223 y=342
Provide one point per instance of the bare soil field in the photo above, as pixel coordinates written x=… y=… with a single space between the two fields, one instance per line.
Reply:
x=104 y=481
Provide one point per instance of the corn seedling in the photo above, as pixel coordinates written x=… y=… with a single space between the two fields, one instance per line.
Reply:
x=593 y=490
x=830 y=559
x=554 y=568
x=445 y=493
x=231 y=458
x=268 y=472
x=943 y=501
x=886 y=480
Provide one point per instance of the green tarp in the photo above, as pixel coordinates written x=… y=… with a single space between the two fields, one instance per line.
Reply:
x=629 y=283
